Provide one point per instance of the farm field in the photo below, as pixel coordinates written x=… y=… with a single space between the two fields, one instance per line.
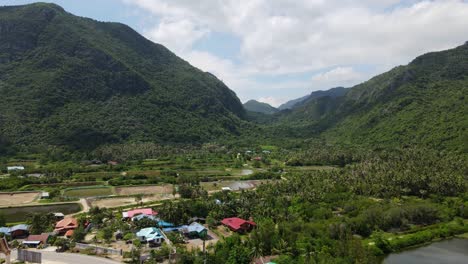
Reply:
x=9 y=199
x=145 y=190
x=88 y=192
x=20 y=214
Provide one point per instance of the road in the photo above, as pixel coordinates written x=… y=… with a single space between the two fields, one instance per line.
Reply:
x=52 y=257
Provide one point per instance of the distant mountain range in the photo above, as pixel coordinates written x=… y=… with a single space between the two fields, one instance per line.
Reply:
x=259 y=107
x=333 y=92
x=75 y=82
x=423 y=103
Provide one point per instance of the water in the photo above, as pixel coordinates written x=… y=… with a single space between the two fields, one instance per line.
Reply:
x=454 y=251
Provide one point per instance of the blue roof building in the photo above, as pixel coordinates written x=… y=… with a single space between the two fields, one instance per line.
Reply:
x=151 y=235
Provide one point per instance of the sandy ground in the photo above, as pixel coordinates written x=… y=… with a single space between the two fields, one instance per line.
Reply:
x=121 y=201
x=156 y=189
x=9 y=199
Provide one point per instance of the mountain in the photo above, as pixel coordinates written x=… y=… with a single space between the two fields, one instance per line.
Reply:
x=333 y=92
x=422 y=103
x=259 y=107
x=290 y=104
x=76 y=82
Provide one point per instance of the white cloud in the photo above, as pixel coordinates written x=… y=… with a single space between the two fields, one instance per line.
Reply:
x=284 y=36
x=340 y=76
x=178 y=36
x=273 y=101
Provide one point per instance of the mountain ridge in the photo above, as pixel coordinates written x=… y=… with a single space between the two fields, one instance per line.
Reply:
x=94 y=82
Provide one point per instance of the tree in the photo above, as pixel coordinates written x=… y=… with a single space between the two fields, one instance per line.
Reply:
x=79 y=234
x=107 y=234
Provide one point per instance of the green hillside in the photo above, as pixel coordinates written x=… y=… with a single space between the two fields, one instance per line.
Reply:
x=76 y=82
x=423 y=103
x=259 y=107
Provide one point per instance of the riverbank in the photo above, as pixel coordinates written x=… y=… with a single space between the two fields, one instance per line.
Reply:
x=449 y=251
x=384 y=243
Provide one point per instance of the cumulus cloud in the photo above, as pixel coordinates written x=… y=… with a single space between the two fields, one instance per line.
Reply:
x=340 y=76
x=281 y=37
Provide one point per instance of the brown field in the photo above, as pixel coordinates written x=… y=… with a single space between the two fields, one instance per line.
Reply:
x=122 y=201
x=145 y=190
x=9 y=199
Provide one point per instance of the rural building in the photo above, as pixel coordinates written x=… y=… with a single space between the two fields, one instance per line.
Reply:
x=45 y=195
x=150 y=235
x=226 y=189
x=143 y=211
x=64 y=226
x=59 y=216
x=194 y=230
x=15 y=168
x=238 y=225
x=19 y=231
x=144 y=216
x=36 y=240
x=197 y=219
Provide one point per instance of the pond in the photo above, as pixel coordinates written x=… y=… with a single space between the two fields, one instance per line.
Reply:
x=453 y=251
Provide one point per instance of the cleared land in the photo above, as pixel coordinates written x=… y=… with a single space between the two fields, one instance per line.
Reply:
x=146 y=190
x=88 y=192
x=20 y=214
x=234 y=185
x=9 y=199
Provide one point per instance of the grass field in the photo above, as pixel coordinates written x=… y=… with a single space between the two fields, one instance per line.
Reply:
x=88 y=192
x=20 y=214
x=9 y=199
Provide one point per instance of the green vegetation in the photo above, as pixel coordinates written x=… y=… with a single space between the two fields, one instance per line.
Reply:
x=88 y=83
x=21 y=214
x=258 y=107
x=88 y=191
x=345 y=176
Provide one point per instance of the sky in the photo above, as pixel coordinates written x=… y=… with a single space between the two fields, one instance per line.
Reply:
x=277 y=50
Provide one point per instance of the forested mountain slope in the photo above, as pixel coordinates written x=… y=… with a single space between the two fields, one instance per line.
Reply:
x=423 y=103
x=76 y=82
x=259 y=107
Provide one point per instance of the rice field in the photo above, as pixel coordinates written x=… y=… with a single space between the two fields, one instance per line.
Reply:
x=88 y=192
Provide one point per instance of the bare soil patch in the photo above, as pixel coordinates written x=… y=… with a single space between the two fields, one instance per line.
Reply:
x=146 y=190
x=9 y=199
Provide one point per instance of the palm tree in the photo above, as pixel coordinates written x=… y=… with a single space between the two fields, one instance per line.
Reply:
x=257 y=252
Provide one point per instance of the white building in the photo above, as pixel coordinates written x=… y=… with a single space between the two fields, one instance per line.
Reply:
x=15 y=168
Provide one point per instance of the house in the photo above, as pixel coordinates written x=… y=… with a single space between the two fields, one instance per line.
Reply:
x=257 y=158
x=144 y=211
x=59 y=216
x=69 y=233
x=45 y=195
x=19 y=231
x=238 y=225
x=64 y=226
x=15 y=168
x=144 y=216
x=112 y=163
x=226 y=189
x=36 y=240
x=150 y=235
x=197 y=219
x=194 y=230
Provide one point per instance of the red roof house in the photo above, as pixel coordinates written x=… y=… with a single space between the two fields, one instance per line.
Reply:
x=69 y=233
x=143 y=211
x=238 y=224
x=36 y=240
x=65 y=225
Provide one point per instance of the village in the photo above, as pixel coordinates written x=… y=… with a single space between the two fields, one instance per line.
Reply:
x=132 y=223
x=139 y=231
